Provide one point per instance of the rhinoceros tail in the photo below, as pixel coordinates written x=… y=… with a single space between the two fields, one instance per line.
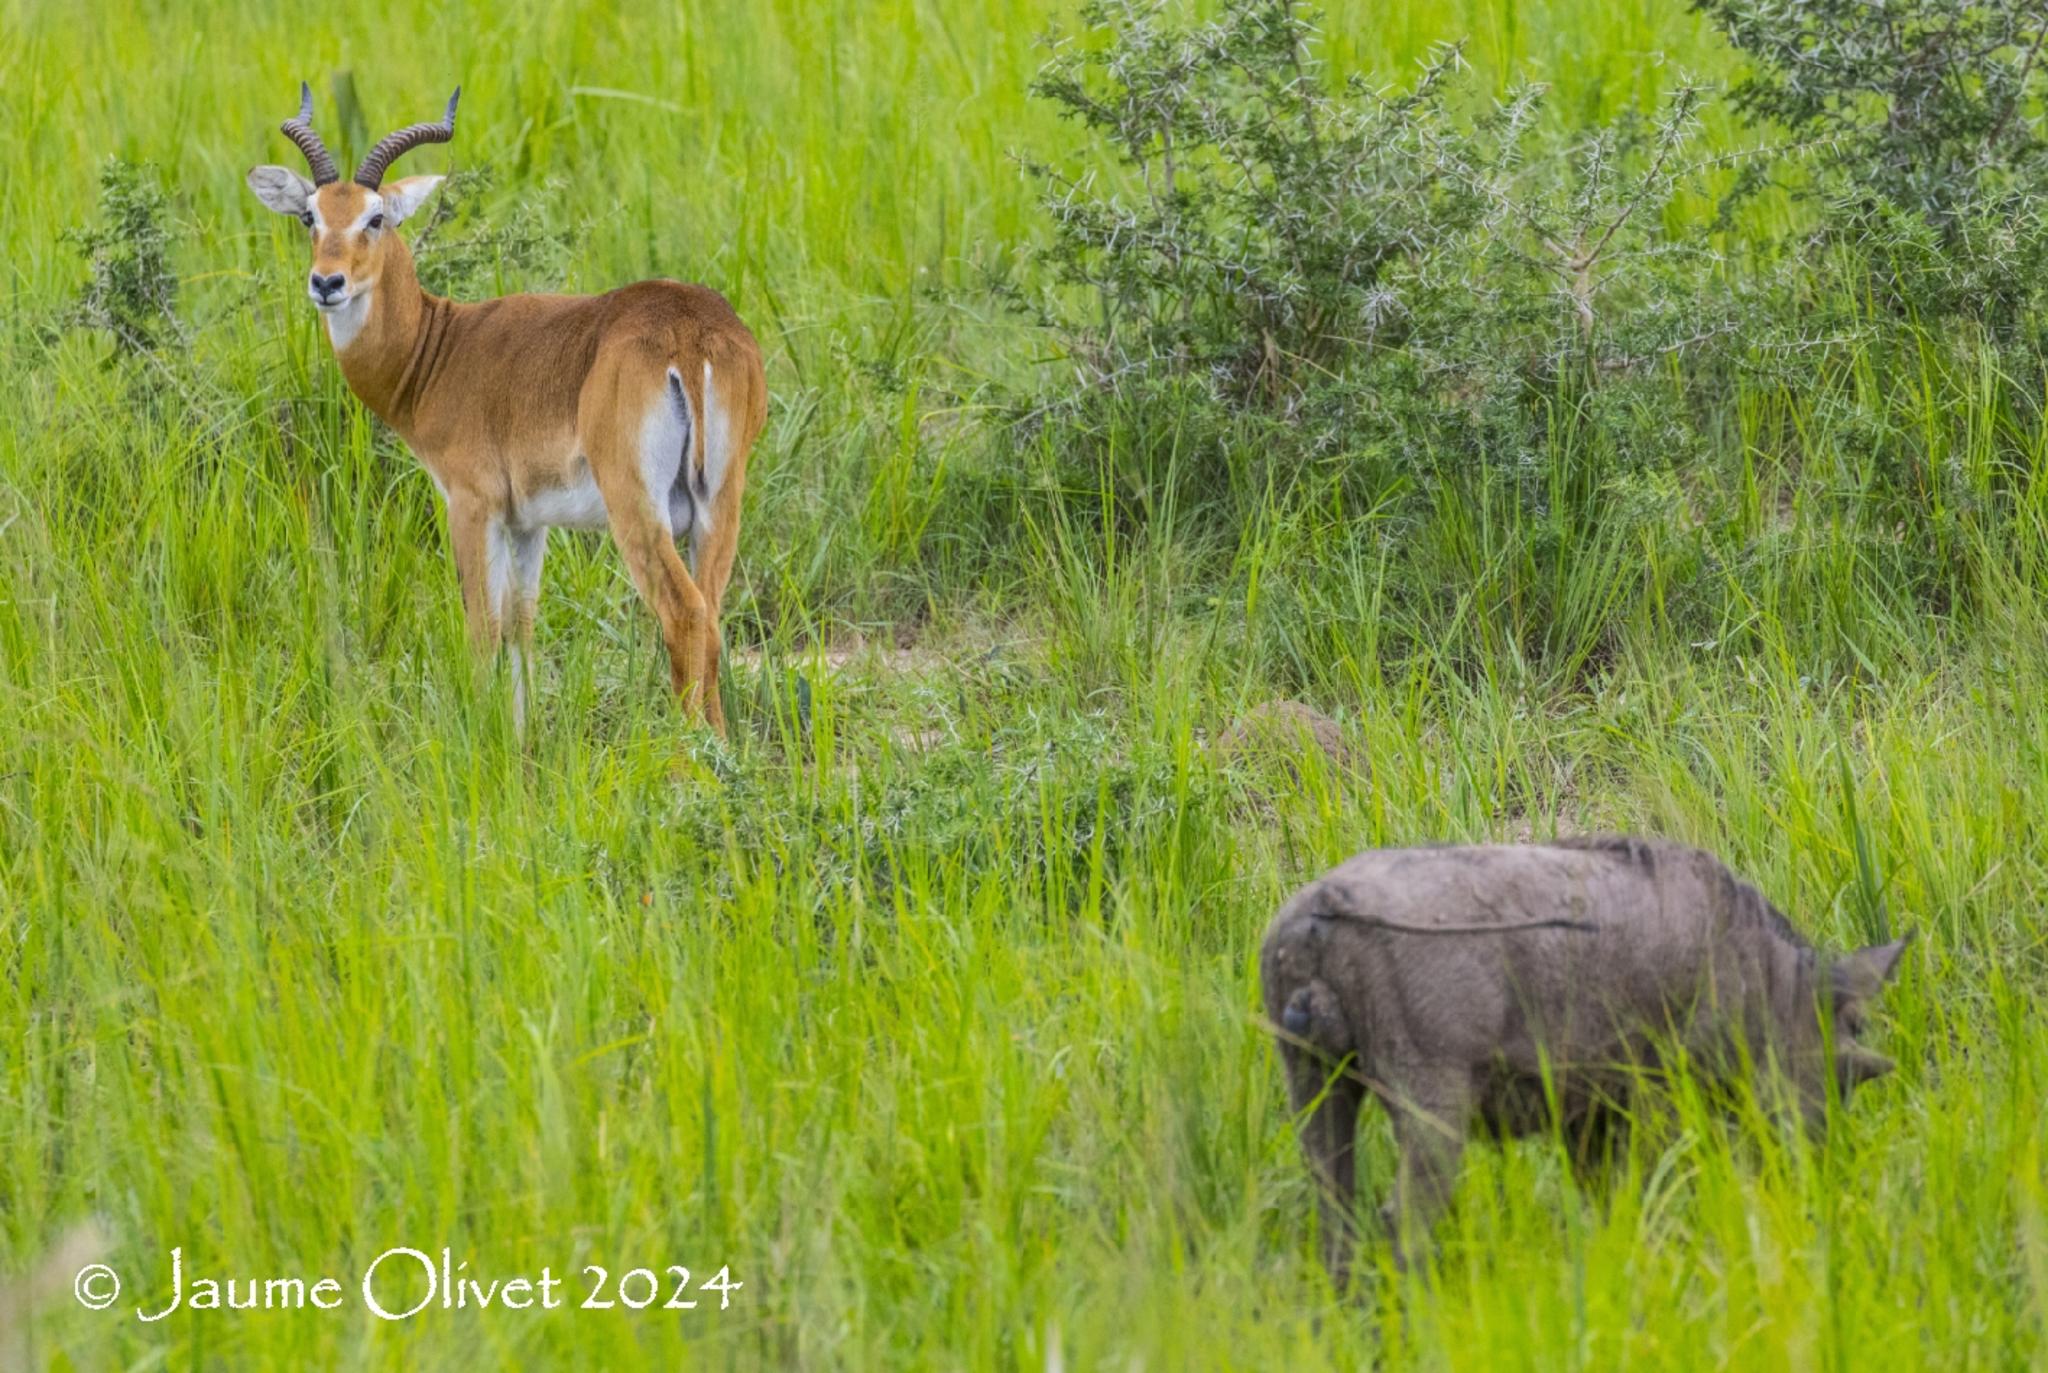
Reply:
x=1313 y=1016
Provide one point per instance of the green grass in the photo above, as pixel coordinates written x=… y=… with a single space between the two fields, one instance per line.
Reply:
x=926 y=1003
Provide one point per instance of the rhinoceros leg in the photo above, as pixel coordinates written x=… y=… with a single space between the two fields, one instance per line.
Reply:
x=1332 y=1097
x=1430 y=1118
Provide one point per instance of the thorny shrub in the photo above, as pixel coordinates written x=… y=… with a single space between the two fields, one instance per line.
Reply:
x=1349 y=269
x=457 y=256
x=1920 y=123
x=130 y=291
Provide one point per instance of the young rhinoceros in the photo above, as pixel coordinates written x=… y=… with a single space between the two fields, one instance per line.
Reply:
x=1451 y=982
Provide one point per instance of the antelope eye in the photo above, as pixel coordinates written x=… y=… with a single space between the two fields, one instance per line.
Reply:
x=306 y=218
x=376 y=221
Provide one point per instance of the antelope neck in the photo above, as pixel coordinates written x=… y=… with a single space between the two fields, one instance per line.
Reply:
x=391 y=360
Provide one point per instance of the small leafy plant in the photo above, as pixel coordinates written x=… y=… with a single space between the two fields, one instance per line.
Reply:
x=523 y=247
x=130 y=291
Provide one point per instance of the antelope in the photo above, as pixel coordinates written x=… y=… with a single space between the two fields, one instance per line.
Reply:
x=633 y=410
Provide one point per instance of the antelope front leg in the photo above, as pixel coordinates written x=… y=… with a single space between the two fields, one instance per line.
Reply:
x=525 y=549
x=481 y=568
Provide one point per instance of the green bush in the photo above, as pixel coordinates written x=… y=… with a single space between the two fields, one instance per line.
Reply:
x=1286 y=276
x=460 y=254
x=1920 y=120
x=130 y=291
x=1263 y=215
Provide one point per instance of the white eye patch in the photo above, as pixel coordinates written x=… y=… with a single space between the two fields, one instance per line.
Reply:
x=374 y=208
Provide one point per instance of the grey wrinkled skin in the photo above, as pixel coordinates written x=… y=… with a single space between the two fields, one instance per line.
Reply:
x=1481 y=984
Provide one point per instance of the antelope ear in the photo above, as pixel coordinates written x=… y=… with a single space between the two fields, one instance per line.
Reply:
x=403 y=196
x=281 y=189
x=1861 y=975
x=1855 y=1064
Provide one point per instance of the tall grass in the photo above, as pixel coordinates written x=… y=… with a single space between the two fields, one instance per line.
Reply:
x=925 y=1003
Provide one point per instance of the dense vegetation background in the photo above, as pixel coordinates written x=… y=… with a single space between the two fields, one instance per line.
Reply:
x=924 y=1002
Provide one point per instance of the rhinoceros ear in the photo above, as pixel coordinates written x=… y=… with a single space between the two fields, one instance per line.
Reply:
x=1855 y=1064
x=1861 y=975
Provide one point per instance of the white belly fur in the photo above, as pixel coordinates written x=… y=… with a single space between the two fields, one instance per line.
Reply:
x=575 y=506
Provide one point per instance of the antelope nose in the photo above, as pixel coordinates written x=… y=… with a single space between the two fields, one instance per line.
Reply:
x=326 y=288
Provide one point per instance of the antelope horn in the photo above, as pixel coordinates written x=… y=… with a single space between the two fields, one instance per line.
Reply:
x=392 y=145
x=300 y=131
